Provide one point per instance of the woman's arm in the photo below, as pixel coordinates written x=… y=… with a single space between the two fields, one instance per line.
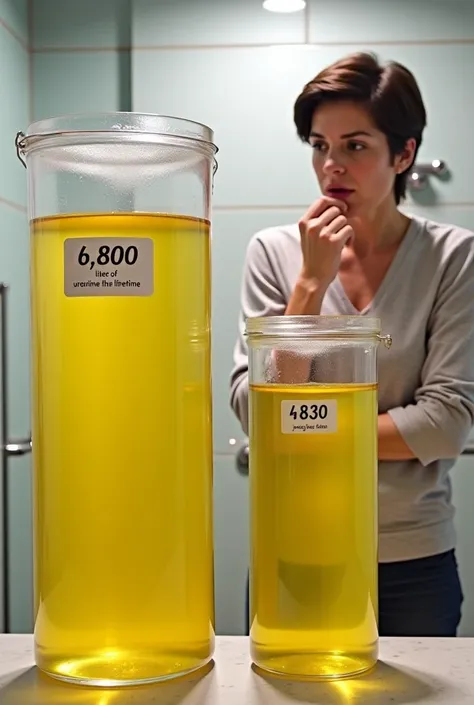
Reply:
x=438 y=422
x=391 y=445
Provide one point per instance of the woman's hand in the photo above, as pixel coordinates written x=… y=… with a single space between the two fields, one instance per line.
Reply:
x=324 y=230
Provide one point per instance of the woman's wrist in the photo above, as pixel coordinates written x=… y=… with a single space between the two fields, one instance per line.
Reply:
x=307 y=297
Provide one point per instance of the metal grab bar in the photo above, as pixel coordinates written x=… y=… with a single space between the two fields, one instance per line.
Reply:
x=18 y=447
x=242 y=459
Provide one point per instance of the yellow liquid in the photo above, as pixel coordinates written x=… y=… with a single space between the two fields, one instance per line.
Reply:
x=314 y=535
x=123 y=459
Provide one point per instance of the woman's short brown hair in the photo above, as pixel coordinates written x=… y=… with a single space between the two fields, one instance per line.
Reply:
x=390 y=93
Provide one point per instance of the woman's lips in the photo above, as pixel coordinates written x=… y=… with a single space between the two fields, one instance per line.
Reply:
x=337 y=192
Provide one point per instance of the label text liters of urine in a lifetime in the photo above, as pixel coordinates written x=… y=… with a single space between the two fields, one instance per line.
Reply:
x=103 y=276
x=104 y=266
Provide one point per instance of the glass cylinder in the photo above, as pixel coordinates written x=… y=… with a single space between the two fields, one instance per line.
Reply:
x=313 y=485
x=119 y=208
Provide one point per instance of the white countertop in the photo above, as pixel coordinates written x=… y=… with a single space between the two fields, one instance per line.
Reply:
x=410 y=671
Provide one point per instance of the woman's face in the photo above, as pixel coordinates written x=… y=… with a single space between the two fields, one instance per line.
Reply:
x=351 y=158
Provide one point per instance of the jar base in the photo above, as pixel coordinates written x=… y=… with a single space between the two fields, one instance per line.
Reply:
x=315 y=666
x=123 y=671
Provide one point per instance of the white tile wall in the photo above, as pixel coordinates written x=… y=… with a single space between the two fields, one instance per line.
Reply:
x=87 y=24
x=181 y=23
x=374 y=22
x=62 y=82
x=14 y=15
x=14 y=114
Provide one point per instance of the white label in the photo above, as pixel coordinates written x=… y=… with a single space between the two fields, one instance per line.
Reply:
x=108 y=266
x=309 y=416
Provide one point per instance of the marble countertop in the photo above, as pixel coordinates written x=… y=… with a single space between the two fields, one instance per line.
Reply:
x=409 y=671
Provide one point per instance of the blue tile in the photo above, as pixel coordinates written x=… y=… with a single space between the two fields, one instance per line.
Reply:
x=231 y=232
x=442 y=73
x=14 y=271
x=68 y=82
x=15 y=15
x=370 y=21
x=231 y=546
x=88 y=23
x=20 y=573
x=455 y=215
x=246 y=95
x=211 y=22
x=14 y=98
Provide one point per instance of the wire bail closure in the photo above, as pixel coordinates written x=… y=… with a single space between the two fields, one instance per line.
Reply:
x=386 y=340
x=19 y=144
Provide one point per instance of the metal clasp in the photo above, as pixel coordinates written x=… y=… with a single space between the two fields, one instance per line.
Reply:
x=19 y=147
x=386 y=340
x=214 y=170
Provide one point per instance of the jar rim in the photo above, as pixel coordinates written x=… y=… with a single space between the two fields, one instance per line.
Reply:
x=116 y=126
x=322 y=326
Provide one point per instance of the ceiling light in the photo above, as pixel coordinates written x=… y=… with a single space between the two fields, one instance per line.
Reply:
x=284 y=5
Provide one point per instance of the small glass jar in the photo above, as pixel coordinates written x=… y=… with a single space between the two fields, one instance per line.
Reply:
x=313 y=478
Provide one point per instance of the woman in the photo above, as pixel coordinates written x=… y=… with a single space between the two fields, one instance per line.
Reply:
x=354 y=252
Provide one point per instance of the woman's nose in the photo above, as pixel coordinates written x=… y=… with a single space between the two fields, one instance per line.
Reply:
x=333 y=164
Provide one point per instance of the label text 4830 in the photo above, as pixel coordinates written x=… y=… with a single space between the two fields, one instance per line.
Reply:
x=309 y=416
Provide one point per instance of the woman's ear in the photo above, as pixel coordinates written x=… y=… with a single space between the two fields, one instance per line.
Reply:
x=404 y=160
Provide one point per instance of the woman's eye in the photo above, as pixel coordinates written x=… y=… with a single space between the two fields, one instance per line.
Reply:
x=356 y=146
x=318 y=146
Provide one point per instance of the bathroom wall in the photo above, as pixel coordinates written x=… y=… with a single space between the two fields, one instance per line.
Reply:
x=14 y=116
x=238 y=68
x=81 y=56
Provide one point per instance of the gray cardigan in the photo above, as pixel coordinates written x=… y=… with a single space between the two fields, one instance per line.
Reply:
x=426 y=380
